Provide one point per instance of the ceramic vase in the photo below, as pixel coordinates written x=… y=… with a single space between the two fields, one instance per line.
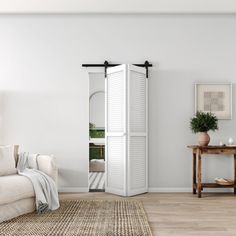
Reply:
x=203 y=138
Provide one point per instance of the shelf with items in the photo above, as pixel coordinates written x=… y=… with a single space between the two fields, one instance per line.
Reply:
x=198 y=152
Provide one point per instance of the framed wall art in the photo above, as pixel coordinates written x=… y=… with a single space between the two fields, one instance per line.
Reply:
x=215 y=98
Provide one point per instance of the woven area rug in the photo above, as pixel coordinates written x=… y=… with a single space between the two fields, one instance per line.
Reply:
x=93 y=218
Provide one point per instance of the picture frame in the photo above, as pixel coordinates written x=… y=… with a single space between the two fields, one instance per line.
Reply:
x=215 y=98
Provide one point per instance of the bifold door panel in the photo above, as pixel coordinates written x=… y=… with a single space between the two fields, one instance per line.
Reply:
x=126 y=130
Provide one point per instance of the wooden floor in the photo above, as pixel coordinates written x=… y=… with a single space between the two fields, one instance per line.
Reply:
x=182 y=214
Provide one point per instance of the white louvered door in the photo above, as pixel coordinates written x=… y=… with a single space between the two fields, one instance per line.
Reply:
x=115 y=122
x=137 y=169
x=126 y=130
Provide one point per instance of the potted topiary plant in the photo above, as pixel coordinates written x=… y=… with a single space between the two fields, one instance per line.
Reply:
x=201 y=123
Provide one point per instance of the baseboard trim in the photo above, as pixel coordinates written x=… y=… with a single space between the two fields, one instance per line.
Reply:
x=188 y=190
x=73 y=190
x=169 y=190
x=150 y=190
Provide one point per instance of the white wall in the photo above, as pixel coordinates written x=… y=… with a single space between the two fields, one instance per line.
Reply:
x=44 y=91
x=117 y=6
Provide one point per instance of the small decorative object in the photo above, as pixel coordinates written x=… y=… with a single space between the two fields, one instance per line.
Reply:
x=222 y=181
x=230 y=141
x=221 y=143
x=201 y=124
x=214 y=98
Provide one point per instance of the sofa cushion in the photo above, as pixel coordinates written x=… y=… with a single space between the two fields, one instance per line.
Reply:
x=15 y=187
x=17 y=208
x=7 y=160
x=47 y=165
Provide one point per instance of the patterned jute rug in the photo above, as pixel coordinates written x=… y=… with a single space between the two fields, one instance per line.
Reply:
x=83 y=218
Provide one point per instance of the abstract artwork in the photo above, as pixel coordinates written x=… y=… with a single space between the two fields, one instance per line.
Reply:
x=215 y=98
x=214 y=101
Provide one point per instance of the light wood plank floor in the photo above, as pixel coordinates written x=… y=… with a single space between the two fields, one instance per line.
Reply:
x=182 y=214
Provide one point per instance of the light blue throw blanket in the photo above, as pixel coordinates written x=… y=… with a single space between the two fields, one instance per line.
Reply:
x=44 y=186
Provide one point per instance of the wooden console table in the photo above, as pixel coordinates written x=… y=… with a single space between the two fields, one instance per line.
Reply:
x=198 y=151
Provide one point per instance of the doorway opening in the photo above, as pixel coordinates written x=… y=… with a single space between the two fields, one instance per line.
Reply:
x=118 y=130
x=96 y=132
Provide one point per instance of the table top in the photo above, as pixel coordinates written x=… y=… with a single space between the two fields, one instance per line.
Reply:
x=212 y=147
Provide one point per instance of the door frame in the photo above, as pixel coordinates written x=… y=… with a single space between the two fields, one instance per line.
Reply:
x=95 y=70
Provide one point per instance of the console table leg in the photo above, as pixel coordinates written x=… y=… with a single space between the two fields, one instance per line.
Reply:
x=199 y=175
x=234 y=172
x=194 y=173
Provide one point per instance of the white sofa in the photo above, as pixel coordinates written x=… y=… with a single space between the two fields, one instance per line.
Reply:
x=17 y=195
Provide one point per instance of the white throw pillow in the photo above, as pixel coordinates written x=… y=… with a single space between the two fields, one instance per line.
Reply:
x=7 y=160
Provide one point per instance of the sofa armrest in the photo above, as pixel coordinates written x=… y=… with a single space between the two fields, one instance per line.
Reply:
x=47 y=164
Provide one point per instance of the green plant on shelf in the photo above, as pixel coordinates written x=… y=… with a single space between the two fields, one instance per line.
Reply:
x=203 y=122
